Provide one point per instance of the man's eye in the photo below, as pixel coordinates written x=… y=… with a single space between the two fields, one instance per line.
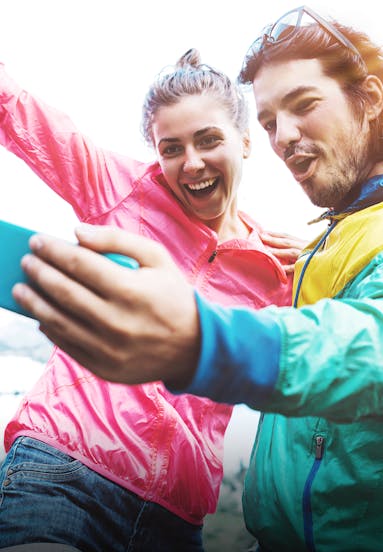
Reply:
x=305 y=105
x=269 y=126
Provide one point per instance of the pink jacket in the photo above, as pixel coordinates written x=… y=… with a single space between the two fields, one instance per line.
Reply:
x=165 y=448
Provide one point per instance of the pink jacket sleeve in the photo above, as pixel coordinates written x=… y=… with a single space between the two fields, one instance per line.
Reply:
x=92 y=180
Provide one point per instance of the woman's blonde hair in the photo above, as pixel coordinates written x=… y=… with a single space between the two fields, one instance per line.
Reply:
x=189 y=77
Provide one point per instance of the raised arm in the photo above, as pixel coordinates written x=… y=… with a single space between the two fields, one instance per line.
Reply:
x=67 y=161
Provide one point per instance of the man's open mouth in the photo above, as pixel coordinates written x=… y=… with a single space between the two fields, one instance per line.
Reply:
x=302 y=166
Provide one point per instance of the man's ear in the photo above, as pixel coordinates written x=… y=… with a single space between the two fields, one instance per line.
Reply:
x=246 y=144
x=373 y=86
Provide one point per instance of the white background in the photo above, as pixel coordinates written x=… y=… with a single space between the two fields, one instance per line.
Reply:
x=95 y=59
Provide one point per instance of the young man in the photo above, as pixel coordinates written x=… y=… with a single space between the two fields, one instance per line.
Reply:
x=315 y=481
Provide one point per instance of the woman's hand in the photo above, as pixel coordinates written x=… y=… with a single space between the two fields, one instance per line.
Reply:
x=285 y=247
x=128 y=326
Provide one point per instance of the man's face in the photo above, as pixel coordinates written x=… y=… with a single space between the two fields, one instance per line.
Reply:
x=312 y=127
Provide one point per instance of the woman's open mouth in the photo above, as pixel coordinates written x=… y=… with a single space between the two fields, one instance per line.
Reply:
x=202 y=188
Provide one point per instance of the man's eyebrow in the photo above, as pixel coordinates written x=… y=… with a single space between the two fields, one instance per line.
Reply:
x=195 y=135
x=291 y=96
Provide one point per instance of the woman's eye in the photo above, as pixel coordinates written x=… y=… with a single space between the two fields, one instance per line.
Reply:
x=171 y=150
x=209 y=141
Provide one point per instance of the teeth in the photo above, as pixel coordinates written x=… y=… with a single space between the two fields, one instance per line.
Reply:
x=201 y=185
x=300 y=161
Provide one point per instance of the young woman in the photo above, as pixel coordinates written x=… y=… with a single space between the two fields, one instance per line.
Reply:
x=103 y=466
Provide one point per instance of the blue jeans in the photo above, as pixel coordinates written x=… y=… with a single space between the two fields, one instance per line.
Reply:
x=47 y=496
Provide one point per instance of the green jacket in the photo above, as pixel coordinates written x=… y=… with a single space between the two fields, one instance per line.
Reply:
x=315 y=480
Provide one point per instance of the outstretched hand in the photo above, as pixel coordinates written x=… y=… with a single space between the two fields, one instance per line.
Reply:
x=285 y=247
x=128 y=326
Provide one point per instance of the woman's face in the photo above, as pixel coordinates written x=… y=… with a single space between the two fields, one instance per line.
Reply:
x=200 y=152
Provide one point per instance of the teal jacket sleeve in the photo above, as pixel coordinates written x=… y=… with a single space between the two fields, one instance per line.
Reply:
x=322 y=360
x=239 y=355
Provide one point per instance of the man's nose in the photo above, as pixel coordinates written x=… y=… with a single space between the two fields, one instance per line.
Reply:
x=287 y=133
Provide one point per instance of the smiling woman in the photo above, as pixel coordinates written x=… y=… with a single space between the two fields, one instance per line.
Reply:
x=201 y=142
x=203 y=166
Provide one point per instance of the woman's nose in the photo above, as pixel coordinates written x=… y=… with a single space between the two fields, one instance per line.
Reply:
x=193 y=162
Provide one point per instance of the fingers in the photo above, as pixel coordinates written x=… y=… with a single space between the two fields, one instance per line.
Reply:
x=43 y=310
x=285 y=255
x=125 y=325
x=55 y=260
x=30 y=300
x=281 y=240
x=53 y=289
x=82 y=263
x=285 y=247
x=94 y=346
x=94 y=271
x=147 y=252
x=275 y=238
x=289 y=268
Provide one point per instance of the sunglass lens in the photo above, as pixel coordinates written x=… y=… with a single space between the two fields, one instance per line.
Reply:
x=285 y=26
x=258 y=43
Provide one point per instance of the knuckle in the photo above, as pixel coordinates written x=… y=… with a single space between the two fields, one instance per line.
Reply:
x=72 y=262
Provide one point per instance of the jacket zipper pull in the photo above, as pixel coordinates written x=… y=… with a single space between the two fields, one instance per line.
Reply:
x=319 y=447
x=212 y=257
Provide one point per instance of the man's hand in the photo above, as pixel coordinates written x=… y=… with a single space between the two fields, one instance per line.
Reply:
x=285 y=247
x=128 y=326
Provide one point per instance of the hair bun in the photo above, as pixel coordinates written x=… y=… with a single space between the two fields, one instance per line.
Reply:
x=190 y=58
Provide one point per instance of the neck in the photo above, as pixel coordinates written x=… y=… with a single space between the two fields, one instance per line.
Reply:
x=376 y=169
x=230 y=229
x=353 y=194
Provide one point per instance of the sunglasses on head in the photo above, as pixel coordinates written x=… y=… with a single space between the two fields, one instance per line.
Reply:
x=294 y=19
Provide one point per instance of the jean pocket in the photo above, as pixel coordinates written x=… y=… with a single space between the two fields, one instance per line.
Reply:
x=32 y=459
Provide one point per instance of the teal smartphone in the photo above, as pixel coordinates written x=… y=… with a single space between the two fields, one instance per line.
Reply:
x=14 y=243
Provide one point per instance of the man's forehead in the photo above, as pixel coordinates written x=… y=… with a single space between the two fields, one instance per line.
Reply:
x=300 y=71
x=286 y=79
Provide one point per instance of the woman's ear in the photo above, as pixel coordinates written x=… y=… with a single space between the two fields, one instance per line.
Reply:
x=373 y=86
x=246 y=141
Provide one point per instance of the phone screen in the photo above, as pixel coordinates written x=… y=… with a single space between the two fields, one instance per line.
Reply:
x=14 y=245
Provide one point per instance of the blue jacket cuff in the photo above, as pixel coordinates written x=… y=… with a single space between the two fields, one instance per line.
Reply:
x=239 y=357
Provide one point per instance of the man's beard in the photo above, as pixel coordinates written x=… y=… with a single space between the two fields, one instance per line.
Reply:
x=343 y=181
